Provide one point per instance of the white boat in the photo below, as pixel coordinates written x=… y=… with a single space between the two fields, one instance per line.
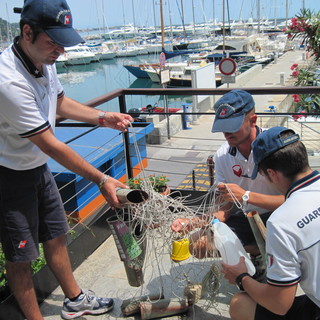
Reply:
x=180 y=72
x=61 y=61
x=79 y=54
x=102 y=51
x=127 y=51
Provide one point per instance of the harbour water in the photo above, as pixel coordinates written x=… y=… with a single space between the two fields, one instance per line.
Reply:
x=85 y=82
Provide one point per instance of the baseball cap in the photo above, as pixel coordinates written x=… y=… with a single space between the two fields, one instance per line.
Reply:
x=268 y=142
x=231 y=110
x=54 y=17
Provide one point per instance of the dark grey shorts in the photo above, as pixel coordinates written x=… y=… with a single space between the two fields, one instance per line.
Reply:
x=302 y=309
x=31 y=211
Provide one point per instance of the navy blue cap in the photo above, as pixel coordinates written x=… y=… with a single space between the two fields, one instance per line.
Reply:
x=54 y=17
x=268 y=142
x=231 y=110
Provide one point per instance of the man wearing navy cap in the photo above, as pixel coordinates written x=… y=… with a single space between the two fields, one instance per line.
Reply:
x=31 y=210
x=292 y=239
x=236 y=118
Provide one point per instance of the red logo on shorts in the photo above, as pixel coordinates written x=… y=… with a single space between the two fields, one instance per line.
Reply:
x=22 y=244
x=237 y=170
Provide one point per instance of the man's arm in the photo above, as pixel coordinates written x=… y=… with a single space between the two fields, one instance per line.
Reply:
x=269 y=202
x=70 y=159
x=187 y=224
x=276 y=299
x=71 y=109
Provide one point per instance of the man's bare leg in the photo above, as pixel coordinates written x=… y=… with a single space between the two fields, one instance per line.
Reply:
x=20 y=281
x=242 y=307
x=58 y=260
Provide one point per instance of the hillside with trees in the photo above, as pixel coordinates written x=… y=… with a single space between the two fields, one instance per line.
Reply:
x=8 y=30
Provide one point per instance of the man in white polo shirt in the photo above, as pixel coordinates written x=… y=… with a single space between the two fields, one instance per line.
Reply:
x=236 y=118
x=31 y=211
x=292 y=240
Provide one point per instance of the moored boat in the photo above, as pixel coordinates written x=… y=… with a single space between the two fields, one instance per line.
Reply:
x=79 y=54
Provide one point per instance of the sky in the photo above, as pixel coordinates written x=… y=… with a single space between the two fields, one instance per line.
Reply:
x=109 y=13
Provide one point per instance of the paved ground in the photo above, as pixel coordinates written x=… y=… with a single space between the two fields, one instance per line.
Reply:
x=103 y=271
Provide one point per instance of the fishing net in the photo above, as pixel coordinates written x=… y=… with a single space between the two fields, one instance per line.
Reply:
x=157 y=270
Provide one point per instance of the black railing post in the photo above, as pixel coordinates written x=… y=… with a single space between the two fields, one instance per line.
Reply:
x=210 y=164
x=126 y=138
x=193 y=180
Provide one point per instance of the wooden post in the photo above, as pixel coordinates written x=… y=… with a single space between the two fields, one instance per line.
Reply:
x=163 y=308
x=132 y=306
x=259 y=231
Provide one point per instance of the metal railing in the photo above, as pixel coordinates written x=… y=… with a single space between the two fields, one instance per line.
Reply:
x=310 y=134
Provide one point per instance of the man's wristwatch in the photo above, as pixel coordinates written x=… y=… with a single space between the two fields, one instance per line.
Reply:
x=101 y=119
x=245 y=198
x=239 y=280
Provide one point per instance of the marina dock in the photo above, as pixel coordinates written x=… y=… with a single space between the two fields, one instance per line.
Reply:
x=103 y=272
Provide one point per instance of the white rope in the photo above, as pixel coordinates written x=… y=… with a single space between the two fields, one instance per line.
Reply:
x=152 y=221
x=235 y=200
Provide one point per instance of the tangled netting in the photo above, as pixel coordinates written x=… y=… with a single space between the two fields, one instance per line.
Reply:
x=154 y=269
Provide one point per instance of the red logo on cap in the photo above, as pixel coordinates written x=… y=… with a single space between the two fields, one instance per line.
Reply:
x=67 y=19
x=237 y=170
x=223 y=112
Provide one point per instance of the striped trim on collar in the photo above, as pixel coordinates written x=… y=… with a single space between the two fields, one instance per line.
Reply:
x=304 y=182
x=28 y=64
x=233 y=150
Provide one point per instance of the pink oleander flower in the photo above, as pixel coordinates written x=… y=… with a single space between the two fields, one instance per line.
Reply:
x=294 y=21
x=296 y=98
x=294 y=66
x=295 y=73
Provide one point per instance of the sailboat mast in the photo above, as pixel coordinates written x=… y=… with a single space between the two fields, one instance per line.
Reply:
x=258 y=16
x=134 y=15
x=194 y=20
x=170 y=20
x=154 y=18
x=103 y=17
x=182 y=13
x=275 y=13
x=9 y=31
x=223 y=27
x=214 y=19
x=287 y=16
x=123 y=16
x=162 y=25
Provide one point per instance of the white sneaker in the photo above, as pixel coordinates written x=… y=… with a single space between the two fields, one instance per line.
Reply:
x=86 y=303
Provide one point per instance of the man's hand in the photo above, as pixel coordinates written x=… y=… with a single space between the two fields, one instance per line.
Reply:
x=181 y=225
x=237 y=191
x=231 y=272
x=108 y=190
x=116 y=120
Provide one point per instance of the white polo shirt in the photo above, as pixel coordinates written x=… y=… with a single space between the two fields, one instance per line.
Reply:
x=293 y=239
x=232 y=167
x=28 y=103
